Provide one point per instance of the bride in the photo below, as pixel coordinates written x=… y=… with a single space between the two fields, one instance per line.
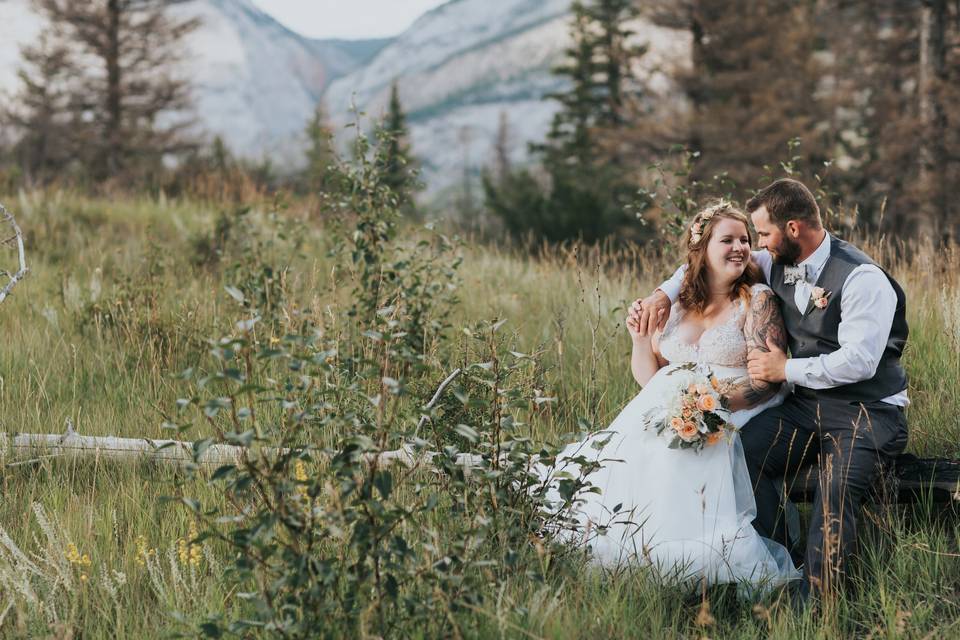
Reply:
x=684 y=512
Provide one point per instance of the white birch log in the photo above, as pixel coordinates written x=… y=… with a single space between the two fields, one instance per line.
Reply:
x=26 y=448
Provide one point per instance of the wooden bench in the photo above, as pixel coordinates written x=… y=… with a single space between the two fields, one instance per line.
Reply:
x=909 y=480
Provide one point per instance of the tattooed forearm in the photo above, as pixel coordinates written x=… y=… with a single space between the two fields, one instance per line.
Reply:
x=764 y=322
x=744 y=394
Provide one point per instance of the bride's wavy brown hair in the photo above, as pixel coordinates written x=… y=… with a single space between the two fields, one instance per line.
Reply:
x=695 y=291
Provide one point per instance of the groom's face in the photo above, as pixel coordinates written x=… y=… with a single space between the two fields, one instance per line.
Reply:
x=783 y=249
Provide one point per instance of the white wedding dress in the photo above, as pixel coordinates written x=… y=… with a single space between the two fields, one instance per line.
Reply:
x=684 y=513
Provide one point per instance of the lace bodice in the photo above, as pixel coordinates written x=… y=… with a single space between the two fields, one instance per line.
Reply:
x=722 y=345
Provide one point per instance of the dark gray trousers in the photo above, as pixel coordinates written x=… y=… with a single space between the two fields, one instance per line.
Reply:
x=848 y=441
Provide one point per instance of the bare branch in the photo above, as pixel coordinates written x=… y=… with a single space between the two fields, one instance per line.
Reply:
x=18 y=236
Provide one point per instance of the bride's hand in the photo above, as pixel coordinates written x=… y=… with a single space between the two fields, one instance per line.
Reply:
x=633 y=327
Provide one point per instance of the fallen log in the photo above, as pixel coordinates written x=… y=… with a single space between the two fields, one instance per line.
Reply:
x=28 y=448
x=909 y=479
x=25 y=448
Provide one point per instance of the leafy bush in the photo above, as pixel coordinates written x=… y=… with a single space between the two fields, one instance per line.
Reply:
x=328 y=538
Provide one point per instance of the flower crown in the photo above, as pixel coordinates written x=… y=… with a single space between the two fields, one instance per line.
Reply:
x=704 y=217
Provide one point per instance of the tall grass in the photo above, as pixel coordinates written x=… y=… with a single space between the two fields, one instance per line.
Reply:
x=120 y=299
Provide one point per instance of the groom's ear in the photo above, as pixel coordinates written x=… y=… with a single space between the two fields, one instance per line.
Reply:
x=793 y=229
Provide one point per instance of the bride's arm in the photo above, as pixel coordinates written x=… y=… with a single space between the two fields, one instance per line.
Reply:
x=764 y=322
x=645 y=360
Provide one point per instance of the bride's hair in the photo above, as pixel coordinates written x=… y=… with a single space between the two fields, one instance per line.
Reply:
x=695 y=292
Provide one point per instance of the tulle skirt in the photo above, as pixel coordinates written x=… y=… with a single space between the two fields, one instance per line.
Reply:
x=686 y=514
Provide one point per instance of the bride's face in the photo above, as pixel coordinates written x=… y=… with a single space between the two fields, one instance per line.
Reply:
x=728 y=250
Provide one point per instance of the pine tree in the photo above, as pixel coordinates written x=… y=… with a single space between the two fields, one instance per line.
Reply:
x=757 y=87
x=399 y=171
x=136 y=45
x=903 y=90
x=614 y=54
x=44 y=111
x=320 y=156
x=569 y=141
x=587 y=186
x=501 y=149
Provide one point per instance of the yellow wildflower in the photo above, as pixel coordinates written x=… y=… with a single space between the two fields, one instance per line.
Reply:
x=72 y=553
x=187 y=552
x=74 y=557
x=144 y=553
x=300 y=471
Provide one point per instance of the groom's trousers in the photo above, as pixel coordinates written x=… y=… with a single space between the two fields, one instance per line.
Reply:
x=849 y=441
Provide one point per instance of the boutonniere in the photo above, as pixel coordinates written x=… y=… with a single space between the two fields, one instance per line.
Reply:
x=819 y=297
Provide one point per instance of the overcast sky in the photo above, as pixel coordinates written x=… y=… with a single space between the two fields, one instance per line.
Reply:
x=350 y=19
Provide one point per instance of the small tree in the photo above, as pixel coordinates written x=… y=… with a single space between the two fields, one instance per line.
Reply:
x=399 y=170
x=130 y=49
x=320 y=156
x=587 y=186
x=45 y=111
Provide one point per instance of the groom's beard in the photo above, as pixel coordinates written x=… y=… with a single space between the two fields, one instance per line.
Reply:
x=788 y=251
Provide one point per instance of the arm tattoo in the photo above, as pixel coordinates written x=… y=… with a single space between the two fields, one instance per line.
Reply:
x=764 y=321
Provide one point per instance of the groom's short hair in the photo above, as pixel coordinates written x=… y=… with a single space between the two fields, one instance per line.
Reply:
x=785 y=200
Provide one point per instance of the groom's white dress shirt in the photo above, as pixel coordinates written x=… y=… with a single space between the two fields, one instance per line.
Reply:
x=867 y=308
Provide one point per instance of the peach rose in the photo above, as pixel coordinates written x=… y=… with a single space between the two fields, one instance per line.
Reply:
x=714 y=383
x=707 y=402
x=689 y=432
x=686 y=413
x=714 y=438
x=676 y=424
x=820 y=303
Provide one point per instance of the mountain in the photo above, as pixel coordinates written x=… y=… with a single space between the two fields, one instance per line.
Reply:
x=463 y=64
x=459 y=67
x=256 y=83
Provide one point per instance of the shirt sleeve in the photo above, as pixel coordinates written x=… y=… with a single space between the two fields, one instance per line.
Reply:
x=672 y=286
x=866 y=317
x=765 y=261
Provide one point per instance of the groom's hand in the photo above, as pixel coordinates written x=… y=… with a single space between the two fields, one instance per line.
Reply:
x=653 y=312
x=767 y=365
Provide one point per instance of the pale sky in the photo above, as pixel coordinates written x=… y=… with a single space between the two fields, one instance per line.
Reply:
x=349 y=19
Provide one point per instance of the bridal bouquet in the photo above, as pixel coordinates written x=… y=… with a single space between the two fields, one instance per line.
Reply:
x=696 y=415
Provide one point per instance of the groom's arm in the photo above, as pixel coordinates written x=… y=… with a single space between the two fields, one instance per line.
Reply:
x=867 y=309
x=672 y=286
x=655 y=308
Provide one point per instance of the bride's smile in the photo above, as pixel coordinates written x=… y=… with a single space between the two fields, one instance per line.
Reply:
x=728 y=251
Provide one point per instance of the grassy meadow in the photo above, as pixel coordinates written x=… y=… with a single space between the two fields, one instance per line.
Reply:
x=124 y=293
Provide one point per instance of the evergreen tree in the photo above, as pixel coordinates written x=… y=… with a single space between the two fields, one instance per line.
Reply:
x=44 y=111
x=586 y=188
x=569 y=140
x=136 y=45
x=399 y=170
x=757 y=87
x=899 y=93
x=614 y=53
x=320 y=156
x=221 y=160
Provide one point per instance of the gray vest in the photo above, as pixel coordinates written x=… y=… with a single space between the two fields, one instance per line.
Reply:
x=815 y=332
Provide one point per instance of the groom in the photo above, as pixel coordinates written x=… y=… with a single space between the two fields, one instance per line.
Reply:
x=846 y=326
